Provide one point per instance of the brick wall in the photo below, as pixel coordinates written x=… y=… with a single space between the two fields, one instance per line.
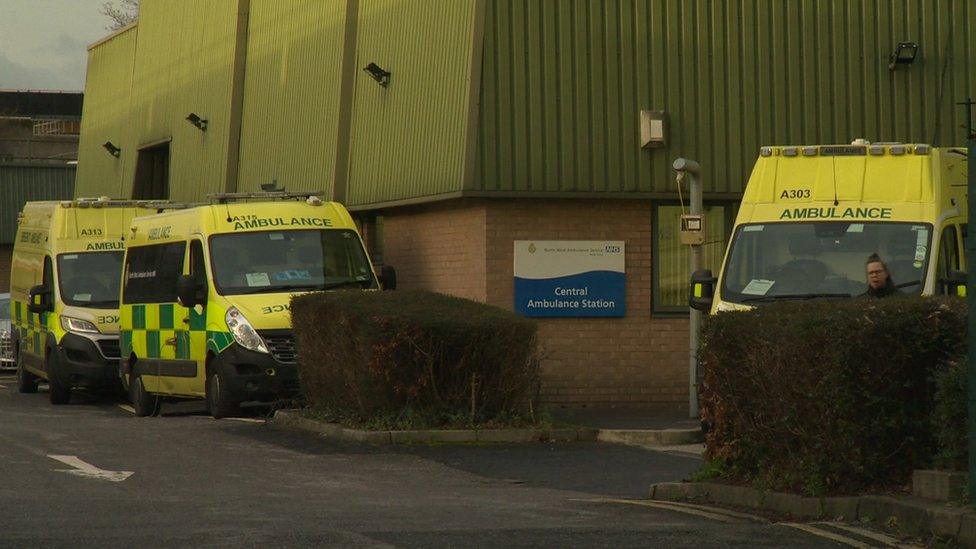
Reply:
x=466 y=248
x=635 y=360
x=438 y=247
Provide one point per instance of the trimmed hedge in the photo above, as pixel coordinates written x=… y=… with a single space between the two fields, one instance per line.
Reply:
x=392 y=356
x=949 y=417
x=826 y=396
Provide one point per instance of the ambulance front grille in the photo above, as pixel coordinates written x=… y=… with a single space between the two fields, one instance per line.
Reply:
x=109 y=348
x=282 y=346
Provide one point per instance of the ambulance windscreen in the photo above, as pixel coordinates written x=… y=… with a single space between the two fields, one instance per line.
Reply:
x=822 y=259
x=90 y=279
x=289 y=260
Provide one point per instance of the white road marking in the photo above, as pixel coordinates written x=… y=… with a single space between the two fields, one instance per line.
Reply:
x=666 y=506
x=876 y=536
x=127 y=408
x=851 y=542
x=246 y=419
x=88 y=470
x=718 y=510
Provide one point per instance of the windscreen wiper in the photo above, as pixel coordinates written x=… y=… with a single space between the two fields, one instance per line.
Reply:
x=794 y=296
x=342 y=283
x=907 y=284
x=279 y=288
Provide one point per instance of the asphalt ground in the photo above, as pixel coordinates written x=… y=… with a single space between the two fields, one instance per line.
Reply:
x=185 y=479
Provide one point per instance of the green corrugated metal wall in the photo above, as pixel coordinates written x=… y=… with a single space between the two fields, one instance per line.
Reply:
x=105 y=117
x=552 y=109
x=184 y=64
x=409 y=140
x=291 y=99
x=24 y=183
x=563 y=83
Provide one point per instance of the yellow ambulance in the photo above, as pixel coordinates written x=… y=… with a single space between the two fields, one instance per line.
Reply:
x=206 y=294
x=812 y=215
x=64 y=292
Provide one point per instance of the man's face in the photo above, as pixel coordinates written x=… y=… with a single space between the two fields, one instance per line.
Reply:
x=877 y=275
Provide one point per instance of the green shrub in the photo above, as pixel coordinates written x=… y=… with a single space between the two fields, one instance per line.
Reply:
x=949 y=417
x=826 y=396
x=412 y=358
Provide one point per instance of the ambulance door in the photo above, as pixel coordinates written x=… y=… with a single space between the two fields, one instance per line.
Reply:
x=949 y=264
x=177 y=369
x=191 y=334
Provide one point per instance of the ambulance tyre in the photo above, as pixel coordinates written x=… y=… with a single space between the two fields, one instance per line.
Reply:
x=26 y=381
x=143 y=402
x=59 y=392
x=218 y=397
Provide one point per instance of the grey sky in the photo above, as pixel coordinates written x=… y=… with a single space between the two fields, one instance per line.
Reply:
x=43 y=43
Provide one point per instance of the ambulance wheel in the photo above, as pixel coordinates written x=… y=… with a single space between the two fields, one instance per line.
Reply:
x=218 y=397
x=143 y=402
x=26 y=381
x=59 y=392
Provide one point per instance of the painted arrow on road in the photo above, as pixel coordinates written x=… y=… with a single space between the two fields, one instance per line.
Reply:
x=88 y=470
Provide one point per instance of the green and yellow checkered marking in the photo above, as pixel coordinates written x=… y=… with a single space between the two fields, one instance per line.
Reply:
x=147 y=328
x=32 y=328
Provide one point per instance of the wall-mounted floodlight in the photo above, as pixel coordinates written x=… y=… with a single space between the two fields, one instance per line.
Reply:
x=200 y=123
x=378 y=73
x=272 y=187
x=653 y=129
x=904 y=54
x=112 y=149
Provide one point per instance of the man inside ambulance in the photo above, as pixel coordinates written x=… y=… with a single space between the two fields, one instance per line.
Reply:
x=878 y=278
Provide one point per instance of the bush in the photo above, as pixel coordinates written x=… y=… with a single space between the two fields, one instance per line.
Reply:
x=412 y=358
x=826 y=396
x=949 y=417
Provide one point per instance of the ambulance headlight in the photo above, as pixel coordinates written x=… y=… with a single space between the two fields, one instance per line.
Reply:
x=244 y=334
x=78 y=325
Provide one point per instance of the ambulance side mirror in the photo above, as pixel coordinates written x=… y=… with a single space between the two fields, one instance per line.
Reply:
x=39 y=300
x=388 y=278
x=701 y=290
x=190 y=292
x=955 y=283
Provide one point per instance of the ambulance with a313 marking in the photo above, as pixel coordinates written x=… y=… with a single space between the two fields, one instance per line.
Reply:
x=206 y=294
x=811 y=216
x=64 y=292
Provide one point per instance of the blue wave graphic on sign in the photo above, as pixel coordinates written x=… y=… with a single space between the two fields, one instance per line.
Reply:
x=594 y=293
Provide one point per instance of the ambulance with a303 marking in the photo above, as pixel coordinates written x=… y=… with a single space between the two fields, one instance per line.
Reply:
x=206 y=293
x=811 y=216
x=64 y=292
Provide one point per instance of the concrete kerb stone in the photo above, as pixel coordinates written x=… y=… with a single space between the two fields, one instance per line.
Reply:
x=651 y=437
x=918 y=518
x=914 y=517
x=294 y=420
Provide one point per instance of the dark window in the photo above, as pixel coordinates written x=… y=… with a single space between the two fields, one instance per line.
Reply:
x=670 y=258
x=90 y=279
x=152 y=272
x=152 y=174
x=48 y=277
x=949 y=253
x=198 y=268
x=285 y=261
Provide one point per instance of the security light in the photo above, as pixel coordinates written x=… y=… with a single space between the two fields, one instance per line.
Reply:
x=112 y=149
x=378 y=73
x=200 y=123
x=904 y=54
x=272 y=187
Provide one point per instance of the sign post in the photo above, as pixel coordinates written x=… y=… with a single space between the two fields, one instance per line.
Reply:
x=971 y=302
x=692 y=233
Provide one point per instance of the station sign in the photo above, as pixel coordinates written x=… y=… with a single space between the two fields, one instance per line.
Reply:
x=570 y=278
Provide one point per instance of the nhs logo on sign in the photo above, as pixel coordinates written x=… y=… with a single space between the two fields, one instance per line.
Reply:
x=570 y=278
